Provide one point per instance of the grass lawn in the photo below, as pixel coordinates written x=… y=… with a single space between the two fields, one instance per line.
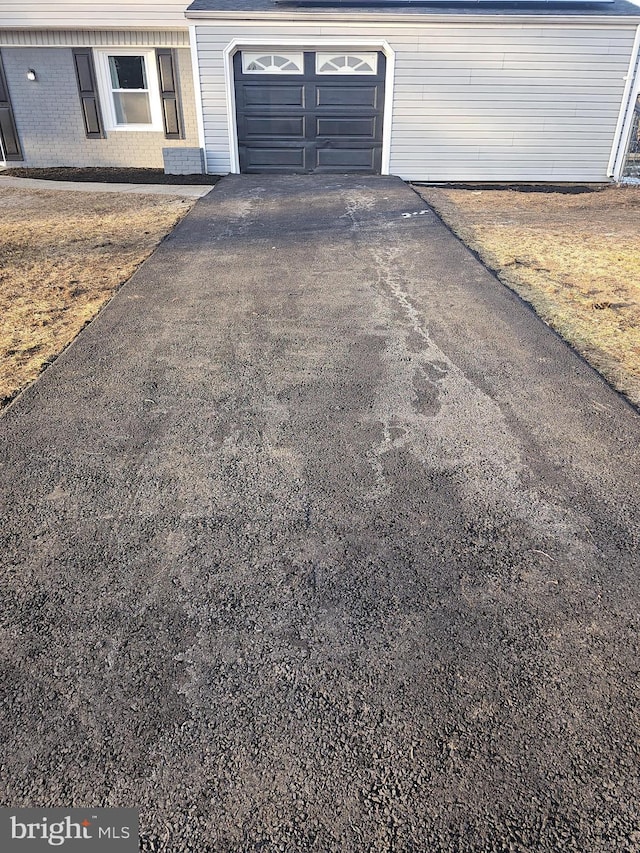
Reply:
x=575 y=258
x=62 y=256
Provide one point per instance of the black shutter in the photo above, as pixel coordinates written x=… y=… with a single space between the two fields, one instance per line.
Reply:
x=88 y=91
x=169 y=93
x=8 y=131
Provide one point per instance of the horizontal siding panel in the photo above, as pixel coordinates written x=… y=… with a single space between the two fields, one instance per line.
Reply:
x=548 y=76
x=413 y=62
x=581 y=60
x=494 y=150
x=515 y=169
x=491 y=121
x=572 y=43
x=497 y=136
x=498 y=170
x=494 y=36
x=94 y=38
x=486 y=160
x=471 y=164
x=580 y=90
x=562 y=65
x=471 y=102
x=484 y=107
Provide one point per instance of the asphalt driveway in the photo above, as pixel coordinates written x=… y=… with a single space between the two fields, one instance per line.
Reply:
x=318 y=539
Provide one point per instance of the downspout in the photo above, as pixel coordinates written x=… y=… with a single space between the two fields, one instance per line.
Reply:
x=625 y=118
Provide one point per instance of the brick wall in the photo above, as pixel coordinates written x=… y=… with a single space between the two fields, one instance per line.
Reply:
x=183 y=161
x=49 y=118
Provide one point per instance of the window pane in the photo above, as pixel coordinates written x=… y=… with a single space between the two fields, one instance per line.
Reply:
x=346 y=63
x=127 y=72
x=132 y=107
x=272 y=63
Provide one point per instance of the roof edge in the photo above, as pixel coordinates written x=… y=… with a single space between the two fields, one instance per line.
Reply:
x=432 y=17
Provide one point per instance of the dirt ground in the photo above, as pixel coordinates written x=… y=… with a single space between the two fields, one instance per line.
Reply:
x=62 y=256
x=574 y=257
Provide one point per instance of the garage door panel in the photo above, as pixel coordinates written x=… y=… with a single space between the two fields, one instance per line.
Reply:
x=274 y=126
x=347 y=158
x=347 y=127
x=261 y=95
x=274 y=158
x=340 y=96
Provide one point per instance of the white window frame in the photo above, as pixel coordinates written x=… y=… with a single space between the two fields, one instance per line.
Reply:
x=106 y=90
x=249 y=56
x=325 y=56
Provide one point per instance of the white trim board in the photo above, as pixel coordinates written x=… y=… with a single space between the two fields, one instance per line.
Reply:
x=197 y=92
x=309 y=44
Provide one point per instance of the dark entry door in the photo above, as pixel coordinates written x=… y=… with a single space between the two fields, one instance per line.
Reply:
x=9 y=142
x=315 y=120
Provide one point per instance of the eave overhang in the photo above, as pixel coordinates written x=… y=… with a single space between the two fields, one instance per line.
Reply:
x=427 y=17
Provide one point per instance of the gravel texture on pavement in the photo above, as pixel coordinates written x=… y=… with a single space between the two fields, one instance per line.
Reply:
x=317 y=539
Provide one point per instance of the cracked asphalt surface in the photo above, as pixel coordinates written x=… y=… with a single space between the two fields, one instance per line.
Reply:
x=318 y=539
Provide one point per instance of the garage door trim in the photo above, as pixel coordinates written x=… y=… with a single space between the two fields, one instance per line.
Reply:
x=308 y=44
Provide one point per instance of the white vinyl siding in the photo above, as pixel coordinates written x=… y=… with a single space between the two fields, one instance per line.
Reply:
x=471 y=102
x=105 y=38
x=93 y=13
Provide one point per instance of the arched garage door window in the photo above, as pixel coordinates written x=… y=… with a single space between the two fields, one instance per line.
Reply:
x=272 y=63
x=346 y=63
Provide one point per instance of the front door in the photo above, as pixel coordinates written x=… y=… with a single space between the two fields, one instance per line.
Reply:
x=9 y=142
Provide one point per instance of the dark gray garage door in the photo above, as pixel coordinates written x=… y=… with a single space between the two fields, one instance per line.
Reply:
x=300 y=111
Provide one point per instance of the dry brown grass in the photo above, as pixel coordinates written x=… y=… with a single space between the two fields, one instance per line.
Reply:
x=62 y=256
x=575 y=258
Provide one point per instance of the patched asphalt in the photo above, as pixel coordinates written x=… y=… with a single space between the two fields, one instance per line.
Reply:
x=318 y=539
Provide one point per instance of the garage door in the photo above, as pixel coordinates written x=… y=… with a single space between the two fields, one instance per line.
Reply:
x=309 y=111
